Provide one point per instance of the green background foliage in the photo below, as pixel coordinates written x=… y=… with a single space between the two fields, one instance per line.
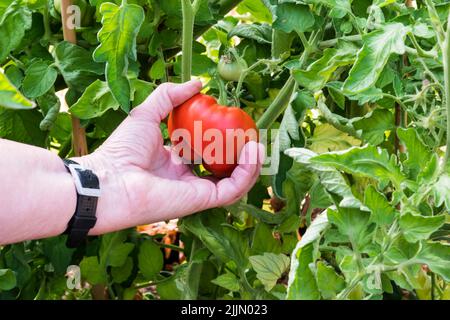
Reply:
x=359 y=206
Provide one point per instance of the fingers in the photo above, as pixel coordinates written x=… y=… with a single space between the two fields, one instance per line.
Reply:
x=243 y=178
x=166 y=97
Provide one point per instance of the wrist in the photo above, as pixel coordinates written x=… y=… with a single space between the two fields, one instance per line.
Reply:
x=109 y=210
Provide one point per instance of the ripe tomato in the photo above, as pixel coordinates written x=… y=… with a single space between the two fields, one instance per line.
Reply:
x=229 y=68
x=219 y=140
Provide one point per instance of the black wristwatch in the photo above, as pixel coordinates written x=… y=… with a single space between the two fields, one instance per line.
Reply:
x=88 y=192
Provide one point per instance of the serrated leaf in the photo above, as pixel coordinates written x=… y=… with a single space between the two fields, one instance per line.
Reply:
x=328 y=281
x=416 y=227
x=13 y=23
x=269 y=268
x=259 y=32
x=374 y=125
x=39 y=78
x=368 y=161
x=330 y=178
x=441 y=191
x=76 y=65
x=327 y=138
x=22 y=126
x=373 y=56
x=158 y=69
x=352 y=223
x=293 y=17
x=320 y=71
x=117 y=38
x=10 y=97
x=95 y=101
x=418 y=153
x=150 y=259
x=227 y=281
x=382 y=211
x=302 y=283
x=437 y=257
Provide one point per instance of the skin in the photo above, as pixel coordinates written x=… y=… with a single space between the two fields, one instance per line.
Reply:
x=140 y=181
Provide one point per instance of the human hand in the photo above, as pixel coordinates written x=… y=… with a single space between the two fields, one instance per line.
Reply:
x=140 y=182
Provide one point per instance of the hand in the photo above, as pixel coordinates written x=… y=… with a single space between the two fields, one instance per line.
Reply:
x=140 y=182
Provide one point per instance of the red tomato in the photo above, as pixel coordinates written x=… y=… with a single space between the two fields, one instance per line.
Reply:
x=215 y=128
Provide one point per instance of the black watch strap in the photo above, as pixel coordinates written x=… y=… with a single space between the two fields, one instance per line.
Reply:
x=88 y=192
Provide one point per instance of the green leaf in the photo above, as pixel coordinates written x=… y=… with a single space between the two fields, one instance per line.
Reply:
x=374 y=125
x=329 y=177
x=320 y=71
x=352 y=223
x=368 y=161
x=264 y=241
x=7 y=279
x=150 y=259
x=327 y=138
x=416 y=227
x=302 y=283
x=140 y=90
x=418 y=153
x=14 y=75
x=256 y=8
x=113 y=249
x=222 y=240
x=56 y=251
x=92 y=271
x=95 y=101
x=293 y=17
x=382 y=211
x=15 y=21
x=441 y=191
x=39 y=78
x=227 y=281
x=117 y=38
x=373 y=56
x=122 y=273
x=437 y=257
x=269 y=268
x=339 y=8
x=158 y=69
x=259 y=32
x=76 y=65
x=328 y=281
x=10 y=97
x=22 y=126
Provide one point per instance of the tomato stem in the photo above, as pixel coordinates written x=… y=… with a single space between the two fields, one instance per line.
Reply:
x=188 y=10
x=281 y=101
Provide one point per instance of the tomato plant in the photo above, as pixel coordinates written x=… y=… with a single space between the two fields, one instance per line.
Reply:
x=359 y=95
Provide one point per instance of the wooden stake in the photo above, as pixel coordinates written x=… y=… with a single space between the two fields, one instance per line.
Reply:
x=79 y=144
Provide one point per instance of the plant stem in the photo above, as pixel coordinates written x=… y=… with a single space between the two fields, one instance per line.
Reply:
x=277 y=106
x=189 y=10
x=446 y=63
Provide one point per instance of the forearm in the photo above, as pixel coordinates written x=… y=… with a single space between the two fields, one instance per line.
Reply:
x=37 y=194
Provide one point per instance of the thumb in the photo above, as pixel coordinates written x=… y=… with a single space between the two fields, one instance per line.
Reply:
x=167 y=96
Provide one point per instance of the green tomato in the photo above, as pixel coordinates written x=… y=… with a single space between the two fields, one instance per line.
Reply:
x=230 y=69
